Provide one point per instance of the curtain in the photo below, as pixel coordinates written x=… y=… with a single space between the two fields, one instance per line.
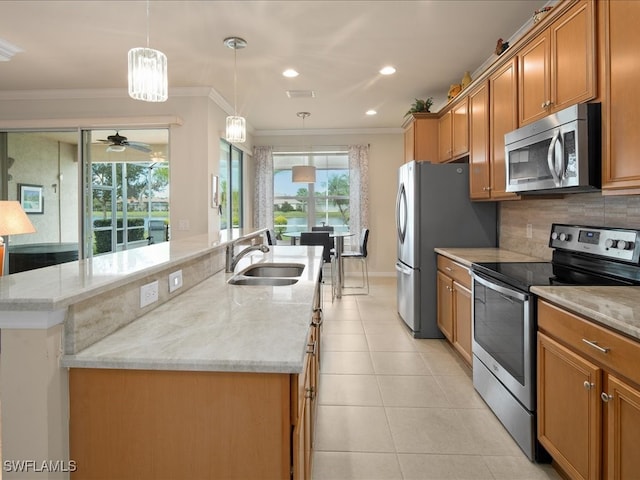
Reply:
x=358 y=188
x=263 y=194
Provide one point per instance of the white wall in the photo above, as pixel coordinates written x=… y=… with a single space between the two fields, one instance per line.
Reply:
x=386 y=154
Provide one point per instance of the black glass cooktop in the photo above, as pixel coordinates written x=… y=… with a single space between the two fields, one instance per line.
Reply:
x=524 y=275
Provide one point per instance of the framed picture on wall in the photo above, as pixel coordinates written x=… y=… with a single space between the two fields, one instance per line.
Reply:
x=31 y=198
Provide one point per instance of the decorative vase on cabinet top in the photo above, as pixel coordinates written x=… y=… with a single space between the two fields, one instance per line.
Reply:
x=466 y=80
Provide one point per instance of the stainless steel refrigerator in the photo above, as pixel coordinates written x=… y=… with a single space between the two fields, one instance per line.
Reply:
x=433 y=209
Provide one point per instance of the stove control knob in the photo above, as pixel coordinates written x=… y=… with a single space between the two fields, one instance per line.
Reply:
x=565 y=237
x=610 y=243
x=554 y=235
x=624 y=245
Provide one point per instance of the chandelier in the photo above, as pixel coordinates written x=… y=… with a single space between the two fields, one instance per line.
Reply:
x=236 y=131
x=147 y=72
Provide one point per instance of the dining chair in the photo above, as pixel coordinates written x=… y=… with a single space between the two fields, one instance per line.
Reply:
x=323 y=228
x=318 y=238
x=321 y=238
x=361 y=255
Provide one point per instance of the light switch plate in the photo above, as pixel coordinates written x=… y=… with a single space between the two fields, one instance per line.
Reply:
x=148 y=294
x=175 y=280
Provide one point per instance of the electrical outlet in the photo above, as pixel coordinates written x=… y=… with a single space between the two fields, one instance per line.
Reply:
x=529 y=230
x=175 y=281
x=148 y=294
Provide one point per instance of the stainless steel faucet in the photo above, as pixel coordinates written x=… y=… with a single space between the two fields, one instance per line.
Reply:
x=232 y=260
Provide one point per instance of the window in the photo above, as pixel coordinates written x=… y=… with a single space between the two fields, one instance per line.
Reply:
x=230 y=186
x=299 y=206
x=129 y=200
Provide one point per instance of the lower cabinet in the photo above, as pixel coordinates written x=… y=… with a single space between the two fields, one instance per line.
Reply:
x=454 y=305
x=305 y=393
x=150 y=424
x=588 y=396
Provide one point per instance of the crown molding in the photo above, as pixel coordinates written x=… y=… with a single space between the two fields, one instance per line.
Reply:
x=328 y=131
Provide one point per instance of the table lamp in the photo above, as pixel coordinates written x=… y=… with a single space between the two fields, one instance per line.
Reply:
x=13 y=221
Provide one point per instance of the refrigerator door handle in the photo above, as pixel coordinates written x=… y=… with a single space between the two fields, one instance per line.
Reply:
x=401 y=211
x=403 y=269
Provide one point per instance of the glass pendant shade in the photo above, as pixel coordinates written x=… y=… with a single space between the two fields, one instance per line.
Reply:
x=303 y=174
x=148 y=75
x=236 y=129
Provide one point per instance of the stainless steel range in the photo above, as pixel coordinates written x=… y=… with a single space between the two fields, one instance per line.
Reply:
x=504 y=316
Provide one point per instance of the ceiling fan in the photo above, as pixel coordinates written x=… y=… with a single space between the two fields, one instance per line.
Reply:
x=118 y=143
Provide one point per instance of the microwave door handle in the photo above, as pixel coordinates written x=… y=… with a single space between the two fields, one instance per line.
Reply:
x=561 y=167
x=551 y=158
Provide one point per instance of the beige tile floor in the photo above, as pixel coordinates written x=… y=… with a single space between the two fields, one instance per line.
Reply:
x=393 y=407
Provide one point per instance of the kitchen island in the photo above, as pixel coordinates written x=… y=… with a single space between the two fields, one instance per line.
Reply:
x=209 y=385
x=64 y=319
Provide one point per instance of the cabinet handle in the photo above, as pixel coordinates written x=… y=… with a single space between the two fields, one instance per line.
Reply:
x=588 y=385
x=448 y=269
x=486 y=189
x=605 y=397
x=596 y=346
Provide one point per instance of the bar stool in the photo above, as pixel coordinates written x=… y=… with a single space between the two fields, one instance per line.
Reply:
x=360 y=255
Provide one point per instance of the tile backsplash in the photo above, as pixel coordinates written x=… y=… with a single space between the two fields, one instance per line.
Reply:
x=591 y=209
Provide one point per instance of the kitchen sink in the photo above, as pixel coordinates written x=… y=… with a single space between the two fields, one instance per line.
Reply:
x=273 y=270
x=268 y=274
x=262 y=281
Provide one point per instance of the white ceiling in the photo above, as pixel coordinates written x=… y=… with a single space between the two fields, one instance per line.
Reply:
x=337 y=46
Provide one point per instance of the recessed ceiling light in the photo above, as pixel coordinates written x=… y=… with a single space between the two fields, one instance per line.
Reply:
x=388 y=70
x=290 y=73
x=371 y=112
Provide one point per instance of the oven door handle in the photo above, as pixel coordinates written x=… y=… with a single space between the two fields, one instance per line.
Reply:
x=500 y=288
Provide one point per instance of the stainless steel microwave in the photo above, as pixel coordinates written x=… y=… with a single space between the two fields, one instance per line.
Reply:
x=559 y=152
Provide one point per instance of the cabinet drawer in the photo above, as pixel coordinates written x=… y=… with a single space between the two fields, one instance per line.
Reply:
x=606 y=348
x=454 y=270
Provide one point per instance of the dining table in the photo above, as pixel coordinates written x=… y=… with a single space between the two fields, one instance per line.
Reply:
x=339 y=246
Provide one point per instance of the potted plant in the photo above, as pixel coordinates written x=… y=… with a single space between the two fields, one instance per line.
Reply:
x=420 y=106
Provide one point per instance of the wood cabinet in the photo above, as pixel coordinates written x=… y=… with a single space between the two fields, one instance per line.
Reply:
x=503 y=118
x=421 y=137
x=588 y=396
x=621 y=114
x=454 y=305
x=305 y=390
x=479 y=167
x=453 y=132
x=557 y=68
x=149 y=424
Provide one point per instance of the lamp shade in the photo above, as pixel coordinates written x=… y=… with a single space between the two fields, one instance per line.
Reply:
x=13 y=219
x=303 y=174
x=236 y=129
x=148 y=75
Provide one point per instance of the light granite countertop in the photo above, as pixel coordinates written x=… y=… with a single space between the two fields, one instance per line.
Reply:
x=617 y=308
x=614 y=307
x=215 y=326
x=59 y=286
x=467 y=256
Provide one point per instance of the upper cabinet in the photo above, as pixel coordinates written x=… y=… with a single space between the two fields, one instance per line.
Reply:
x=621 y=113
x=503 y=118
x=557 y=67
x=421 y=137
x=479 y=173
x=453 y=132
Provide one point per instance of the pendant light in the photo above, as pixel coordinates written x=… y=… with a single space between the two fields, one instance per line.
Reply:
x=236 y=131
x=148 y=72
x=303 y=173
